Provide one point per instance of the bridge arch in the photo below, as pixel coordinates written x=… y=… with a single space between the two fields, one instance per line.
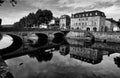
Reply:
x=17 y=43
x=58 y=37
x=42 y=40
x=59 y=34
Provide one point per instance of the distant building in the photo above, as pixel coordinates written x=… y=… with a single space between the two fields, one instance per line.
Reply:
x=54 y=24
x=111 y=25
x=65 y=22
x=88 y=20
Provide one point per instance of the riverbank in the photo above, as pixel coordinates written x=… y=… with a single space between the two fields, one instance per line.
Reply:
x=3 y=68
x=99 y=36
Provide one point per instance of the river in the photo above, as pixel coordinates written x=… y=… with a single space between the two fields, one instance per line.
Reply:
x=72 y=59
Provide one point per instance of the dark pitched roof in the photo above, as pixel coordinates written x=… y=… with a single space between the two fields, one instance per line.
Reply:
x=64 y=16
x=111 y=20
x=89 y=14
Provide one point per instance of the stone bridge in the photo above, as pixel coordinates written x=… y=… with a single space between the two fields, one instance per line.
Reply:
x=22 y=43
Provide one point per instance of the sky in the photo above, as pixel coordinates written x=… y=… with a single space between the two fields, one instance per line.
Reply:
x=10 y=14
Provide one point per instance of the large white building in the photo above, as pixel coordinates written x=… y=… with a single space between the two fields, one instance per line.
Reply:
x=88 y=20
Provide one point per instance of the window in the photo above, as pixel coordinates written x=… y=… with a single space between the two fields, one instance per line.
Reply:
x=94 y=29
x=95 y=23
x=77 y=27
x=86 y=14
x=96 y=13
x=79 y=15
x=83 y=15
x=76 y=16
x=76 y=24
x=86 y=18
x=86 y=24
x=90 y=14
x=82 y=23
x=79 y=23
x=88 y=29
x=79 y=19
x=83 y=19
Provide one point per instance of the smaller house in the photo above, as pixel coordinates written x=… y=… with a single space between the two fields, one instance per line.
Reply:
x=54 y=24
x=65 y=22
x=111 y=25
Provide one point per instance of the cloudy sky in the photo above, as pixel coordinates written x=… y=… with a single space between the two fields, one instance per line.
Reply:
x=11 y=14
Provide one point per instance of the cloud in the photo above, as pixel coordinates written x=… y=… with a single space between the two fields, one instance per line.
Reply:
x=58 y=7
x=10 y=18
x=112 y=12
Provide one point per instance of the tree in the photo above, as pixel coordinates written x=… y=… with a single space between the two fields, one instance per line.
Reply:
x=43 y=16
x=13 y=2
x=31 y=19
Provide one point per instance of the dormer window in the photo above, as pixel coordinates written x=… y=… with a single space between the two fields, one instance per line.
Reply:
x=96 y=13
x=76 y=16
x=79 y=15
x=90 y=14
x=83 y=15
x=86 y=14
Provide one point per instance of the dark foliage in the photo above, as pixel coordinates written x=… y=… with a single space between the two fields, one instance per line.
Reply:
x=38 y=18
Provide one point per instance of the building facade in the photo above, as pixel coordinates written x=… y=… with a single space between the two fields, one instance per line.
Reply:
x=111 y=25
x=88 y=20
x=64 y=22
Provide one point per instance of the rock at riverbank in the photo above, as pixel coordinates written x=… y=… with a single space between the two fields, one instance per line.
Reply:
x=4 y=71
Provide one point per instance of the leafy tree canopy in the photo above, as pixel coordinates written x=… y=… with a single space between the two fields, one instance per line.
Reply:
x=40 y=17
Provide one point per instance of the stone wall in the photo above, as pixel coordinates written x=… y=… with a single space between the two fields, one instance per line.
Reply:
x=108 y=36
x=99 y=36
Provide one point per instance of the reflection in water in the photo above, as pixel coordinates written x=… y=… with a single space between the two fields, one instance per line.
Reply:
x=83 y=52
x=4 y=71
x=41 y=55
x=9 y=75
x=64 y=48
x=86 y=54
x=117 y=61
x=68 y=66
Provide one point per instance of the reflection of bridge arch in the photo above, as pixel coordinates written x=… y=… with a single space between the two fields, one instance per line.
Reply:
x=17 y=43
x=58 y=37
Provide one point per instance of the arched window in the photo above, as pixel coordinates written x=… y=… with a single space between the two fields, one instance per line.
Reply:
x=94 y=29
x=77 y=27
x=88 y=29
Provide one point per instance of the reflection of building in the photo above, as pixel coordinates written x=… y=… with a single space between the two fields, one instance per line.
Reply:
x=65 y=22
x=41 y=56
x=64 y=49
x=86 y=54
x=117 y=61
x=80 y=43
x=111 y=25
x=88 y=20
